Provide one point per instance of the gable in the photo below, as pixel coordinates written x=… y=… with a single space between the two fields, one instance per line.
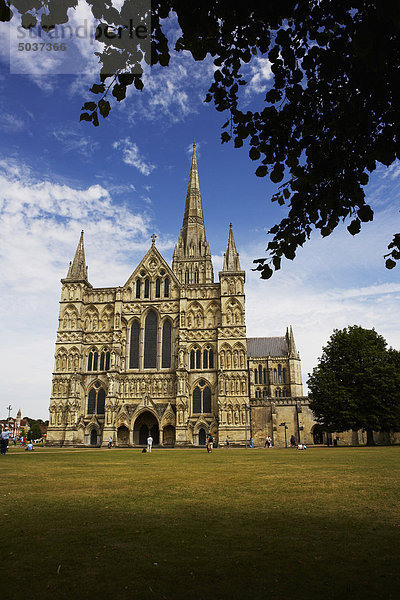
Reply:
x=152 y=265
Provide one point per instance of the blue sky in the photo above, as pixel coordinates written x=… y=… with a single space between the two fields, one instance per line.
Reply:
x=126 y=179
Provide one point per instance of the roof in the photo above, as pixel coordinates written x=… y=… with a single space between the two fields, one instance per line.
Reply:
x=267 y=346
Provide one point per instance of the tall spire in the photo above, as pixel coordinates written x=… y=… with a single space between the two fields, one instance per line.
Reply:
x=231 y=256
x=78 y=269
x=193 y=230
x=192 y=257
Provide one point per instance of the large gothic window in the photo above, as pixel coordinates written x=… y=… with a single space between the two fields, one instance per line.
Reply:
x=201 y=398
x=166 y=345
x=260 y=374
x=96 y=400
x=150 y=341
x=279 y=373
x=134 y=347
x=158 y=288
x=255 y=376
x=138 y=284
x=284 y=375
x=146 y=288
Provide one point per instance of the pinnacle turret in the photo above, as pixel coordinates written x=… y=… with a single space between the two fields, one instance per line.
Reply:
x=78 y=269
x=290 y=341
x=231 y=256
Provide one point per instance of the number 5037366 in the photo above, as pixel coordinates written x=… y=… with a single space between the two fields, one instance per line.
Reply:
x=41 y=47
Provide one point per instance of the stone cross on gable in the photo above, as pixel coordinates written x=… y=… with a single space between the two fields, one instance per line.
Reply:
x=153 y=239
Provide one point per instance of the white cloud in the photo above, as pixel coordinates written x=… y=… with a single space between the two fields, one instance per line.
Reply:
x=75 y=141
x=260 y=75
x=131 y=156
x=11 y=123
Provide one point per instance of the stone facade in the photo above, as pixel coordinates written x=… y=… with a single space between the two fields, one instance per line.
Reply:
x=167 y=352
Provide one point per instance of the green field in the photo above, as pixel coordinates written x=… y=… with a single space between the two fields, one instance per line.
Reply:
x=323 y=523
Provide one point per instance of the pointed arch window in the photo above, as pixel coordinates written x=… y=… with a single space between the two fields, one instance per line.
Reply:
x=134 y=347
x=105 y=360
x=208 y=358
x=255 y=376
x=196 y=400
x=198 y=359
x=166 y=287
x=96 y=400
x=166 y=345
x=93 y=360
x=158 y=287
x=275 y=376
x=138 y=286
x=260 y=373
x=150 y=341
x=192 y=359
x=92 y=401
x=265 y=376
x=279 y=373
x=196 y=276
x=146 y=288
x=101 y=399
x=187 y=276
x=201 y=398
x=284 y=375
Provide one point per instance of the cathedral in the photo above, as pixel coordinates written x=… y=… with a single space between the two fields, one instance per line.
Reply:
x=167 y=354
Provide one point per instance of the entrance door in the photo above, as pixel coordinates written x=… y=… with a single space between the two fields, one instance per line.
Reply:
x=123 y=436
x=169 y=435
x=146 y=423
x=202 y=437
x=93 y=437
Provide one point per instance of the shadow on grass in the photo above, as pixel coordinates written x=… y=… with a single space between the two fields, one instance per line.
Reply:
x=196 y=552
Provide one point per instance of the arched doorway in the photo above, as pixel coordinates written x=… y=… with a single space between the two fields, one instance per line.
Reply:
x=123 y=435
x=202 y=437
x=93 y=437
x=146 y=423
x=169 y=435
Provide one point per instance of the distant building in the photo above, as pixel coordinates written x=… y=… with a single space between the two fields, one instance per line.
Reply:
x=17 y=426
x=167 y=353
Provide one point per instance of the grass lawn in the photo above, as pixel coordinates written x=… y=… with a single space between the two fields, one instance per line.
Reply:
x=182 y=524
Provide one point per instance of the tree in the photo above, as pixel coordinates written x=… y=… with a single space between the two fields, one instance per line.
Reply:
x=356 y=384
x=331 y=114
x=34 y=432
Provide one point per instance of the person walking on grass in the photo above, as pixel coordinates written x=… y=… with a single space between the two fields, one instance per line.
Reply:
x=4 y=437
x=149 y=443
x=227 y=441
x=110 y=442
x=210 y=443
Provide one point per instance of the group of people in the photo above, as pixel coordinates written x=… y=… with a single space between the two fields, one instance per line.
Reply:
x=5 y=437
